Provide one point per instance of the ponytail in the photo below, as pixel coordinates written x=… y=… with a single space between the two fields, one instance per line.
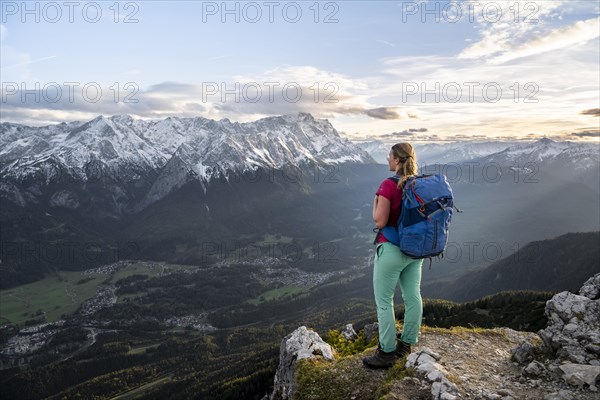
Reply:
x=407 y=167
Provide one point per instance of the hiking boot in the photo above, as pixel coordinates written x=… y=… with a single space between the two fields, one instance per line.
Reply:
x=402 y=349
x=380 y=359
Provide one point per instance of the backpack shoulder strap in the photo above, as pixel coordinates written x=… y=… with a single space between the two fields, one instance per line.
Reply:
x=396 y=178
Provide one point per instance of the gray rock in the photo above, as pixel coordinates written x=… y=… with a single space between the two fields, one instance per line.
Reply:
x=535 y=382
x=425 y=362
x=534 y=368
x=506 y=392
x=578 y=374
x=524 y=352
x=371 y=331
x=432 y=353
x=298 y=345
x=560 y=395
x=444 y=390
x=573 y=330
x=555 y=369
x=411 y=381
x=486 y=394
x=349 y=333
x=591 y=288
x=593 y=348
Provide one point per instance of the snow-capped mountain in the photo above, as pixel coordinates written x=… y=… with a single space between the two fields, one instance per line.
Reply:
x=441 y=153
x=122 y=141
x=578 y=156
x=566 y=161
x=172 y=151
x=457 y=152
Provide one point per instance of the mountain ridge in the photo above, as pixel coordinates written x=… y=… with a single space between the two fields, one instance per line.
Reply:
x=271 y=142
x=161 y=155
x=561 y=263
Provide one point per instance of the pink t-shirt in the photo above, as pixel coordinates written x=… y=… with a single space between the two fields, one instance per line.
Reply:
x=389 y=190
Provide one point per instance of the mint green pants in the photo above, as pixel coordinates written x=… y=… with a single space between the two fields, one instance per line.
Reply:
x=393 y=266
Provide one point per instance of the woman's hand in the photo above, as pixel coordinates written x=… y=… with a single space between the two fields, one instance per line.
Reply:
x=381 y=211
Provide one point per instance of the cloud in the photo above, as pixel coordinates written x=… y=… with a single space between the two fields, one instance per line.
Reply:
x=580 y=32
x=592 y=111
x=502 y=31
x=174 y=88
x=285 y=90
x=290 y=89
x=406 y=132
x=587 y=133
x=383 y=113
x=544 y=93
x=386 y=43
x=195 y=107
x=220 y=57
x=29 y=62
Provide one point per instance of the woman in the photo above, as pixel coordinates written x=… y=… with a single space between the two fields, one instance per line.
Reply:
x=392 y=266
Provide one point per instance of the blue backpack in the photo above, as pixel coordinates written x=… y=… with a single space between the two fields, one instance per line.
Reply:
x=422 y=228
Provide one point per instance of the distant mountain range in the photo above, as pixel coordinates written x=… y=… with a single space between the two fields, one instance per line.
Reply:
x=168 y=188
x=577 y=156
x=166 y=153
x=440 y=153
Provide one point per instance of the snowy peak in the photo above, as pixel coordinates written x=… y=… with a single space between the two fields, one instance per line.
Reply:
x=120 y=141
x=578 y=156
x=439 y=153
x=548 y=151
x=545 y=141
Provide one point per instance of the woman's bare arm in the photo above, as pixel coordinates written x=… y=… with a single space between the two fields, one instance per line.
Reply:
x=375 y=206
x=381 y=211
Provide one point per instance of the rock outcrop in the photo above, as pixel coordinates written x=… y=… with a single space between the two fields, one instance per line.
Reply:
x=349 y=333
x=570 y=347
x=300 y=344
x=425 y=361
x=573 y=330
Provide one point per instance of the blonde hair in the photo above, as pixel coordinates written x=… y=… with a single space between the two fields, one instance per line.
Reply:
x=407 y=167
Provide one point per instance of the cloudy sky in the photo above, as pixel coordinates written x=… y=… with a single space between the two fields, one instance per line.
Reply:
x=429 y=70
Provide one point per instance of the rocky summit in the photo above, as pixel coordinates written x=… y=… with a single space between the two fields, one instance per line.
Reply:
x=560 y=362
x=298 y=345
x=573 y=330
